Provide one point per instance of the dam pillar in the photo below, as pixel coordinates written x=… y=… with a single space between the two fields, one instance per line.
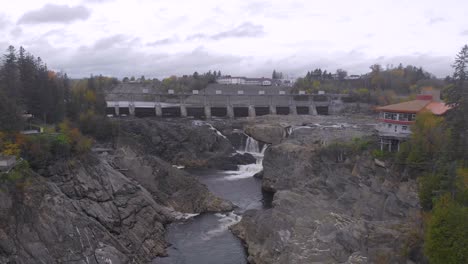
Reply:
x=312 y=110
x=183 y=110
x=292 y=106
x=116 y=110
x=158 y=110
x=207 y=111
x=230 y=111
x=272 y=109
x=131 y=109
x=251 y=111
x=183 y=107
x=292 y=110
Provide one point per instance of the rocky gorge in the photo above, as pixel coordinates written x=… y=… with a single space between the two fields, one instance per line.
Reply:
x=333 y=202
x=112 y=206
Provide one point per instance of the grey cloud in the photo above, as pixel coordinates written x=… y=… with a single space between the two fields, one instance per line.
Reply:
x=51 y=13
x=197 y=36
x=245 y=30
x=435 y=20
x=108 y=42
x=16 y=32
x=126 y=59
x=464 y=32
x=162 y=42
x=4 y=21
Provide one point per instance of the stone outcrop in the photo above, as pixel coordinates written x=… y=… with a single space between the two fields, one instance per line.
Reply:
x=331 y=206
x=188 y=143
x=267 y=133
x=107 y=208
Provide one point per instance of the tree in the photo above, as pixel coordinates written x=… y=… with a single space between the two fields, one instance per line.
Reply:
x=447 y=234
x=457 y=98
x=342 y=74
x=10 y=118
x=10 y=76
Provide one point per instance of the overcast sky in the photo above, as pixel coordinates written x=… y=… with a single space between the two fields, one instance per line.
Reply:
x=158 y=38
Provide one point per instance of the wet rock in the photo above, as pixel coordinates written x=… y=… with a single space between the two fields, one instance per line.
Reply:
x=328 y=210
x=266 y=133
x=109 y=208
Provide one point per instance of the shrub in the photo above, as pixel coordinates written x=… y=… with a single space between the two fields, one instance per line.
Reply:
x=447 y=233
x=428 y=185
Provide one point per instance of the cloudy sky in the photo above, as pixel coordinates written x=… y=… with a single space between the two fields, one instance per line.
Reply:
x=243 y=37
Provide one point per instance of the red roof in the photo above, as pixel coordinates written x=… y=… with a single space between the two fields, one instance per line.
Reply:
x=415 y=106
x=407 y=107
x=437 y=108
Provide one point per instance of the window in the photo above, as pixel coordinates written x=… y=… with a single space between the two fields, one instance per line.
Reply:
x=389 y=125
x=404 y=128
x=403 y=117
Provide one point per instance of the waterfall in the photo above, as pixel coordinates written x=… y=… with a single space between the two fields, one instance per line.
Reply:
x=265 y=146
x=251 y=145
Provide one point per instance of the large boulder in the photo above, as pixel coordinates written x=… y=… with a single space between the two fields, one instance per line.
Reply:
x=267 y=133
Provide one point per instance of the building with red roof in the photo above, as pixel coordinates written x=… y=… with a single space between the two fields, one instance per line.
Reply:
x=395 y=119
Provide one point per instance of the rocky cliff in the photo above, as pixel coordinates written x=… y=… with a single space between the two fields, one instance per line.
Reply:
x=109 y=207
x=332 y=204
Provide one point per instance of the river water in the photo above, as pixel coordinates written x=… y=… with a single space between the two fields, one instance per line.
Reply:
x=205 y=238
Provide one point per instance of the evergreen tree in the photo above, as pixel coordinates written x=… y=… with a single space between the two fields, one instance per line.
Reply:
x=457 y=98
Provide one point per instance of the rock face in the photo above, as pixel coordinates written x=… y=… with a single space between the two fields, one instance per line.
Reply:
x=331 y=206
x=110 y=208
x=266 y=133
x=182 y=142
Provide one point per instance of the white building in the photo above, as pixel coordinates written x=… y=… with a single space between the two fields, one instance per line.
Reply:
x=395 y=120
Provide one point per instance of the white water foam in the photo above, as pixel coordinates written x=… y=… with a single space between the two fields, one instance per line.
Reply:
x=244 y=171
x=202 y=123
x=247 y=171
x=225 y=221
x=251 y=146
x=185 y=216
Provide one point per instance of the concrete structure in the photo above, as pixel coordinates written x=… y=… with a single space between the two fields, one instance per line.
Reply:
x=219 y=100
x=7 y=162
x=395 y=120
x=217 y=105
x=245 y=81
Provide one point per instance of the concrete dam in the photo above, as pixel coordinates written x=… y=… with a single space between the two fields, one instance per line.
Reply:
x=220 y=101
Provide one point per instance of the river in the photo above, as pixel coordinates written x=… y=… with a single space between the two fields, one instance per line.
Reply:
x=205 y=238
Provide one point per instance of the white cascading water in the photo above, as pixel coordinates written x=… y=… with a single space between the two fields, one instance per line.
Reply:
x=251 y=145
x=246 y=171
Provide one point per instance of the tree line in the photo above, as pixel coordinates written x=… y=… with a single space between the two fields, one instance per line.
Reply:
x=401 y=80
x=437 y=153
